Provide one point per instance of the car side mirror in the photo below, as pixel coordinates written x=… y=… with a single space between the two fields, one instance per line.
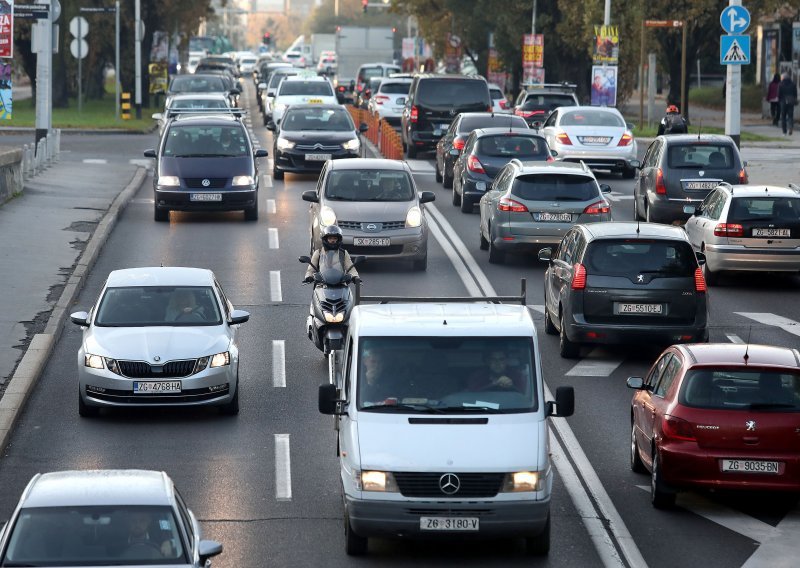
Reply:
x=80 y=318
x=149 y=153
x=630 y=125
x=208 y=548
x=271 y=126
x=701 y=258
x=306 y=259
x=744 y=164
x=635 y=383
x=605 y=188
x=310 y=195
x=261 y=153
x=363 y=127
x=239 y=316
x=635 y=164
x=157 y=116
x=554 y=153
x=564 y=404
x=326 y=400
x=426 y=197
x=545 y=254
x=691 y=210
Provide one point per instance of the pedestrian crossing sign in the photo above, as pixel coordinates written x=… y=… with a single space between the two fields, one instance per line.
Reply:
x=734 y=50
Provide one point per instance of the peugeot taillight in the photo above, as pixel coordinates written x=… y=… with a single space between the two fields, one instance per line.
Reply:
x=728 y=230
x=699 y=280
x=474 y=165
x=508 y=204
x=661 y=187
x=675 y=428
x=458 y=143
x=578 y=277
x=414 y=114
x=625 y=140
x=597 y=208
x=562 y=138
x=743 y=176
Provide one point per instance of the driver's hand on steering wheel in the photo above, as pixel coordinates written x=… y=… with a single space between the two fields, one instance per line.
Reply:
x=166 y=549
x=503 y=381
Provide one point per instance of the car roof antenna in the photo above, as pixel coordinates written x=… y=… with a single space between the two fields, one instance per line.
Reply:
x=747 y=348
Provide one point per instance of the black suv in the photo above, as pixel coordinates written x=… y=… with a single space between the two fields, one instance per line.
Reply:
x=624 y=282
x=205 y=163
x=535 y=102
x=432 y=104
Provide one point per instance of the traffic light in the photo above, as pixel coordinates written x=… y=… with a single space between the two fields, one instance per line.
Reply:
x=364 y=5
x=267 y=39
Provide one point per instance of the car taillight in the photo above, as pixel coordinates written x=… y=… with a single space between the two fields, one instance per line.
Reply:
x=728 y=230
x=597 y=208
x=380 y=98
x=699 y=280
x=359 y=88
x=578 y=277
x=474 y=165
x=677 y=429
x=340 y=88
x=562 y=138
x=550 y=159
x=414 y=114
x=490 y=108
x=503 y=105
x=661 y=187
x=458 y=143
x=743 y=176
x=508 y=204
x=625 y=140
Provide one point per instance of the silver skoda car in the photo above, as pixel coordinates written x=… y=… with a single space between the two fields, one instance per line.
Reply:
x=159 y=336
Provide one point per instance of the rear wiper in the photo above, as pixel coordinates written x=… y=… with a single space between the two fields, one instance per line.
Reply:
x=402 y=406
x=765 y=405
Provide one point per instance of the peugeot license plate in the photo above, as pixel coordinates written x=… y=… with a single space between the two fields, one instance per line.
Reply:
x=205 y=197
x=449 y=523
x=318 y=157
x=545 y=216
x=156 y=387
x=751 y=466
x=639 y=308
x=771 y=232
x=371 y=241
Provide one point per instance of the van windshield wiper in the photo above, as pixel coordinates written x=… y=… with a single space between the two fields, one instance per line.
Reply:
x=471 y=408
x=402 y=406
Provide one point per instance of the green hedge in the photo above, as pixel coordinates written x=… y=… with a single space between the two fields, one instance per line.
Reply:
x=711 y=97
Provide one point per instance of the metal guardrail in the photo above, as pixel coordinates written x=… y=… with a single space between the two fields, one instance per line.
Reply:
x=39 y=156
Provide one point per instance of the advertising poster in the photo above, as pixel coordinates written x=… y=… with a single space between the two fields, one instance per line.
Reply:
x=6 y=28
x=537 y=78
x=770 y=55
x=606 y=45
x=158 y=77
x=497 y=73
x=5 y=91
x=604 y=85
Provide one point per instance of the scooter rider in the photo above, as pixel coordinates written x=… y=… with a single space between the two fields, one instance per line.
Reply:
x=331 y=241
x=673 y=122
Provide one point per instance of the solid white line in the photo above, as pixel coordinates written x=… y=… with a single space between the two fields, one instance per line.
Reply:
x=275 y=286
x=94 y=161
x=279 y=363
x=273 y=238
x=283 y=468
x=271 y=206
x=734 y=338
x=595 y=364
x=451 y=253
x=785 y=324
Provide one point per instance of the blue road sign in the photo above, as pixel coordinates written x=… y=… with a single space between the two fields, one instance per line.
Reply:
x=734 y=50
x=735 y=19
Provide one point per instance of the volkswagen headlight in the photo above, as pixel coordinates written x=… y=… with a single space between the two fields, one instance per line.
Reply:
x=327 y=216
x=93 y=361
x=414 y=217
x=221 y=359
x=523 y=481
x=169 y=181
x=375 y=481
x=353 y=145
x=330 y=318
x=243 y=180
x=284 y=144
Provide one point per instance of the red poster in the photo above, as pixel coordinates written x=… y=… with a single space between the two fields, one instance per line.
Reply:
x=6 y=28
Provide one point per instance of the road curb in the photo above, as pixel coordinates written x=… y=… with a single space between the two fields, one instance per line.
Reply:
x=35 y=358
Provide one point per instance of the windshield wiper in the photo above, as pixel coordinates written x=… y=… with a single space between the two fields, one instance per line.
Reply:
x=471 y=408
x=402 y=406
x=766 y=405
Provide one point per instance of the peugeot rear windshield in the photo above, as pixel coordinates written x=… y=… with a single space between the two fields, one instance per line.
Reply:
x=623 y=257
x=555 y=187
x=450 y=93
x=742 y=389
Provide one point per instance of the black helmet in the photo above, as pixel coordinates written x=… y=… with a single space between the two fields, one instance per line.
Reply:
x=331 y=231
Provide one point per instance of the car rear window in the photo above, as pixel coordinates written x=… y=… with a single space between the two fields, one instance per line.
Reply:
x=548 y=102
x=395 y=88
x=591 y=118
x=766 y=209
x=615 y=257
x=189 y=84
x=278 y=77
x=496 y=94
x=370 y=72
x=513 y=145
x=449 y=93
x=308 y=88
x=369 y=185
x=470 y=123
x=694 y=156
x=555 y=187
x=734 y=389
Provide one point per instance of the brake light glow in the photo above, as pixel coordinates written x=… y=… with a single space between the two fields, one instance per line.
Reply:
x=677 y=429
x=458 y=143
x=474 y=165
x=550 y=159
x=625 y=140
x=508 y=204
x=578 y=277
x=562 y=138
x=527 y=113
x=504 y=104
x=661 y=187
x=728 y=230
x=743 y=176
x=597 y=208
x=340 y=88
x=380 y=98
x=414 y=114
x=699 y=280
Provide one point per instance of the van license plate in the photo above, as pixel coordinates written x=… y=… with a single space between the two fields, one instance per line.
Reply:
x=205 y=197
x=159 y=387
x=640 y=308
x=449 y=523
x=750 y=466
x=771 y=232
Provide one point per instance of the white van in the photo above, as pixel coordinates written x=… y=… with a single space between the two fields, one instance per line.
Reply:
x=442 y=422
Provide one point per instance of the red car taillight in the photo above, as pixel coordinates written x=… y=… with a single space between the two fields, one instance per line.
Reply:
x=699 y=280
x=380 y=98
x=550 y=159
x=527 y=113
x=597 y=208
x=414 y=114
x=474 y=165
x=677 y=429
x=743 y=176
x=728 y=230
x=563 y=139
x=661 y=187
x=625 y=140
x=458 y=143
x=578 y=277
x=508 y=204
x=503 y=104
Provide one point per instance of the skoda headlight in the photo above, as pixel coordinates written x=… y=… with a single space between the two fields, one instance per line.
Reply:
x=330 y=318
x=221 y=359
x=93 y=361
x=414 y=217
x=376 y=481
x=170 y=181
x=327 y=216
x=354 y=145
x=284 y=144
x=243 y=180
x=522 y=481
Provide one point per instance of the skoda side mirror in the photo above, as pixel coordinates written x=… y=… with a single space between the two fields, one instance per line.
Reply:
x=80 y=318
x=149 y=153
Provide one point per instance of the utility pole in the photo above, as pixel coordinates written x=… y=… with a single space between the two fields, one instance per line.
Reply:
x=117 y=73
x=533 y=19
x=44 y=79
x=138 y=56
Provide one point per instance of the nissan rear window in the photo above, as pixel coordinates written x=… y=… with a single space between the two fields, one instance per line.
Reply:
x=734 y=389
x=555 y=187
x=706 y=156
x=547 y=102
x=449 y=93
x=511 y=145
x=470 y=123
x=618 y=257
x=775 y=210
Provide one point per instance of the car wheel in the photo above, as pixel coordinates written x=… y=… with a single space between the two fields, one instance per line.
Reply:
x=438 y=174
x=628 y=173
x=354 y=545
x=466 y=205
x=636 y=461
x=420 y=263
x=85 y=410
x=484 y=242
x=711 y=277
x=660 y=495
x=160 y=214
x=231 y=408
x=251 y=213
x=277 y=174
x=456 y=197
x=496 y=256
x=411 y=152
x=549 y=327
x=539 y=545
x=568 y=349
x=447 y=180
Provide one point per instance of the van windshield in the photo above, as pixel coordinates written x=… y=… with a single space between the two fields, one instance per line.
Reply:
x=446 y=375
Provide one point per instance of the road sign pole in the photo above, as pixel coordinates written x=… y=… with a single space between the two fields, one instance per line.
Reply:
x=684 y=110
x=44 y=62
x=641 y=79
x=116 y=62
x=733 y=97
x=138 y=56
x=80 y=68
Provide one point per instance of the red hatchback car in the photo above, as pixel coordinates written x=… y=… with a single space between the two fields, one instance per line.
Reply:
x=718 y=416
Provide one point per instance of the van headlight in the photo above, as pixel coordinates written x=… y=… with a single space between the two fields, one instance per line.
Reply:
x=414 y=217
x=380 y=481
x=284 y=144
x=522 y=481
x=169 y=181
x=327 y=216
x=353 y=145
x=243 y=180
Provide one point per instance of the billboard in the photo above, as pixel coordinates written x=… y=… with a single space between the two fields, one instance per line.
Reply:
x=606 y=45
x=604 y=85
x=532 y=56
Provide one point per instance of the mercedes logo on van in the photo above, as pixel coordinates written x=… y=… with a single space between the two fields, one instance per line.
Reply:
x=449 y=483
x=206 y=182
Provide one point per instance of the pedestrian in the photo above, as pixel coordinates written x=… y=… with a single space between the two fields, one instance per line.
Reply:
x=772 y=99
x=787 y=93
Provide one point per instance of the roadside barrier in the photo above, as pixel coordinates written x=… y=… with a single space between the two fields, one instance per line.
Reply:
x=380 y=133
x=37 y=157
x=125 y=105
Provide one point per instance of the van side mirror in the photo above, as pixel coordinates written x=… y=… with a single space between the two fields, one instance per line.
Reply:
x=564 y=403
x=310 y=195
x=427 y=197
x=326 y=401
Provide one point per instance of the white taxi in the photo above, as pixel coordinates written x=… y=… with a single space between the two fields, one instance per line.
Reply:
x=301 y=90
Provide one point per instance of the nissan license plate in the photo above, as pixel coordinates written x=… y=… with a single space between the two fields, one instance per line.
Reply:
x=156 y=387
x=449 y=523
x=318 y=157
x=640 y=308
x=771 y=232
x=751 y=466
x=371 y=241
x=544 y=216
x=205 y=197
x=700 y=184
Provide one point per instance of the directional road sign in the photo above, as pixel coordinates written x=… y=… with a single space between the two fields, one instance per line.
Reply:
x=735 y=19
x=734 y=50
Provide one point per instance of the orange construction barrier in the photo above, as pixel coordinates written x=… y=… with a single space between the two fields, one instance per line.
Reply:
x=380 y=133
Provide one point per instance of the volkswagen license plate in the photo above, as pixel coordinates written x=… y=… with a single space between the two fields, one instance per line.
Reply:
x=544 y=216
x=205 y=197
x=449 y=523
x=771 y=232
x=700 y=184
x=370 y=242
x=156 y=387
x=318 y=157
x=751 y=466
x=639 y=308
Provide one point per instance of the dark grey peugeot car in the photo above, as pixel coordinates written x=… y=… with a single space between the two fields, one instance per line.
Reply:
x=624 y=282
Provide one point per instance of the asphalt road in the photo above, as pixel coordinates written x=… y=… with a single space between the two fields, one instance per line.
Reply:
x=232 y=471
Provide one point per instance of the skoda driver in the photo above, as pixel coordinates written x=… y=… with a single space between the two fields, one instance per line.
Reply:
x=331 y=241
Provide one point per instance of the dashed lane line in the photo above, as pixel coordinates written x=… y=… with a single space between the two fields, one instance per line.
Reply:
x=273 y=238
x=276 y=295
x=279 y=363
x=596 y=364
x=94 y=161
x=774 y=320
x=271 y=207
x=283 y=468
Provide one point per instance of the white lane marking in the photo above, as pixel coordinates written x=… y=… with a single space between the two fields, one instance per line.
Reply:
x=283 y=468
x=611 y=528
x=780 y=550
x=266 y=179
x=785 y=324
x=273 y=238
x=420 y=166
x=734 y=338
x=595 y=364
x=451 y=253
x=94 y=161
x=142 y=200
x=615 y=196
x=279 y=363
x=144 y=162
x=271 y=206
x=275 y=292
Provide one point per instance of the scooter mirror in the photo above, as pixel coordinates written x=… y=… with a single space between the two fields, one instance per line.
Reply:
x=306 y=259
x=358 y=259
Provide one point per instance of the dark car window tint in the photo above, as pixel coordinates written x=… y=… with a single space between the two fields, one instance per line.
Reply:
x=323 y=119
x=496 y=93
x=625 y=257
x=516 y=146
x=668 y=376
x=591 y=118
x=394 y=88
x=189 y=84
x=709 y=156
x=767 y=209
x=548 y=102
x=198 y=104
x=133 y=306
x=741 y=390
x=319 y=88
x=470 y=123
x=448 y=92
x=369 y=185
x=555 y=187
x=211 y=141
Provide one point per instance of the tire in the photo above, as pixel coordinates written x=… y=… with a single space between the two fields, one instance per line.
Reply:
x=277 y=174
x=660 y=495
x=466 y=205
x=496 y=256
x=86 y=411
x=411 y=152
x=251 y=213
x=438 y=174
x=628 y=173
x=354 y=545
x=637 y=465
x=567 y=349
x=231 y=408
x=539 y=545
x=711 y=277
x=549 y=328
x=420 y=264
x=457 y=200
x=447 y=180
x=160 y=214
x=484 y=242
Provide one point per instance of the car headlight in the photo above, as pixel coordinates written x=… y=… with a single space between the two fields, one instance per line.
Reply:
x=243 y=180
x=284 y=144
x=414 y=217
x=522 y=481
x=93 y=361
x=327 y=216
x=330 y=318
x=221 y=359
x=170 y=181
x=354 y=144
x=376 y=481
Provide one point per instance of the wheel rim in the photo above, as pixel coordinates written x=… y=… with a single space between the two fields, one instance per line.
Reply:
x=654 y=475
x=633 y=444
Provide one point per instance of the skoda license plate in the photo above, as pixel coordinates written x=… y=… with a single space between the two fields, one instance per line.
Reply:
x=750 y=466
x=205 y=197
x=156 y=387
x=449 y=523
x=318 y=157
x=639 y=308
x=562 y=217
x=370 y=242
x=771 y=232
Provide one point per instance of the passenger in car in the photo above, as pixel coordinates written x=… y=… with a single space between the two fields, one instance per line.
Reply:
x=498 y=374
